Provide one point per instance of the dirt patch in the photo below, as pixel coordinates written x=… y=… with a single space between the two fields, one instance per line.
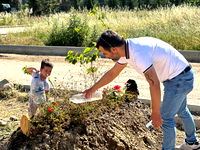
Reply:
x=117 y=128
x=121 y=128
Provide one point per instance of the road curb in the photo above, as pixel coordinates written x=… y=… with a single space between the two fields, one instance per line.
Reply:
x=39 y=50
x=191 y=56
x=195 y=109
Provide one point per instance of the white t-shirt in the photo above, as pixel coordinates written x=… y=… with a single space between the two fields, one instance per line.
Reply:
x=36 y=78
x=147 y=51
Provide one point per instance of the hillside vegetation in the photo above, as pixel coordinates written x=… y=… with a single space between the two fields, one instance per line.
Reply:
x=177 y=25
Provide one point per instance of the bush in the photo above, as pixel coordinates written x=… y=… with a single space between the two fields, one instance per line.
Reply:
x=75 y=34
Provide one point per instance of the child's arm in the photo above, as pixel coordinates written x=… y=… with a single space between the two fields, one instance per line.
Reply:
x=47 y=95
x=47 y=92
x=30 y=70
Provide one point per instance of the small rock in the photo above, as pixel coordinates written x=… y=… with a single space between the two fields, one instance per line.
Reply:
x=148 y=141
x=13 y=118
x=197 y=123
x=87 y=147
x=45 y=136
x=7 y=86
x=36 y=148
x=46 y=146
x=2 y=83
x=3 y=123
x=198 y=131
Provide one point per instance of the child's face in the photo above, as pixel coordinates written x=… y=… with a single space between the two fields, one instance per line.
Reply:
x=46 y=71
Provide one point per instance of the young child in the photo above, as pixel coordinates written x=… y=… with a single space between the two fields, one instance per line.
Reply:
x=39 y=86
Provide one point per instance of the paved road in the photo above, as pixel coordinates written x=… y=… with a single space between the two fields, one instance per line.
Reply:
x=11 y=29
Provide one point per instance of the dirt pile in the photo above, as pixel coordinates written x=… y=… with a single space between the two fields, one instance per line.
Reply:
x=122 y=128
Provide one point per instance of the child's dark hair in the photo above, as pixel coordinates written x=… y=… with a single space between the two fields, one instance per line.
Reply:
x=46 y=62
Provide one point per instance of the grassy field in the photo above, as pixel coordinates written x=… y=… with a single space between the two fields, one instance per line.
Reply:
x=178 y=26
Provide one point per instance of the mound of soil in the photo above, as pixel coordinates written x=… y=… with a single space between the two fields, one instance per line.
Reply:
x=120 y=129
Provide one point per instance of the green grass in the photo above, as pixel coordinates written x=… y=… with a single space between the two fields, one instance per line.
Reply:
x=178 y=26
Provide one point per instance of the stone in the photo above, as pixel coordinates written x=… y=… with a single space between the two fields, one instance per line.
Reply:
x=8 y=86
x=3 y=123
x=2 y=83
x=13 y=118
x=5 y=85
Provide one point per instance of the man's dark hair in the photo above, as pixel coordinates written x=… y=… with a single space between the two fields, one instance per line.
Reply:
x=110 y=39
x=46 y=62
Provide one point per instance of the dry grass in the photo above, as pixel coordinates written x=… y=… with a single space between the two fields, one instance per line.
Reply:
x=177 y=25
x=11 y=107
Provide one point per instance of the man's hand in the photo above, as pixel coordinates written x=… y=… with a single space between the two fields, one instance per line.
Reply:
x=88 y=93
x=157 y=120
x=107 y=78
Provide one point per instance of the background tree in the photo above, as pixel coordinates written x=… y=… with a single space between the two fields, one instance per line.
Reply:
x=43 y=7
x=113 y=3
x=89 y=4
x=65 y=5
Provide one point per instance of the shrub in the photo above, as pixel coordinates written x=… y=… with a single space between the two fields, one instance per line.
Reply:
x=73 y=35
x=118 y=94
x=88 y=56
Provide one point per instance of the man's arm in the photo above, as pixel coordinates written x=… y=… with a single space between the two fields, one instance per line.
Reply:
x=155 y=91
x=105 y=79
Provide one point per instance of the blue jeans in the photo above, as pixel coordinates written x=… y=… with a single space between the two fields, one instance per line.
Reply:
x=175 y=102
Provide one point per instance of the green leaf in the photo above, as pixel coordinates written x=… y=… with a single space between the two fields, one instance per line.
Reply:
x=87 y=50
x=24 y=69
x=74 y=61
x=94 y=44
x=70 y=52
x=81 y=58
x=91 y=70
x=77 y=29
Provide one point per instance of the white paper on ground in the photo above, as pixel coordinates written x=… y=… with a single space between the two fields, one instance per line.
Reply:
x=80 y=98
